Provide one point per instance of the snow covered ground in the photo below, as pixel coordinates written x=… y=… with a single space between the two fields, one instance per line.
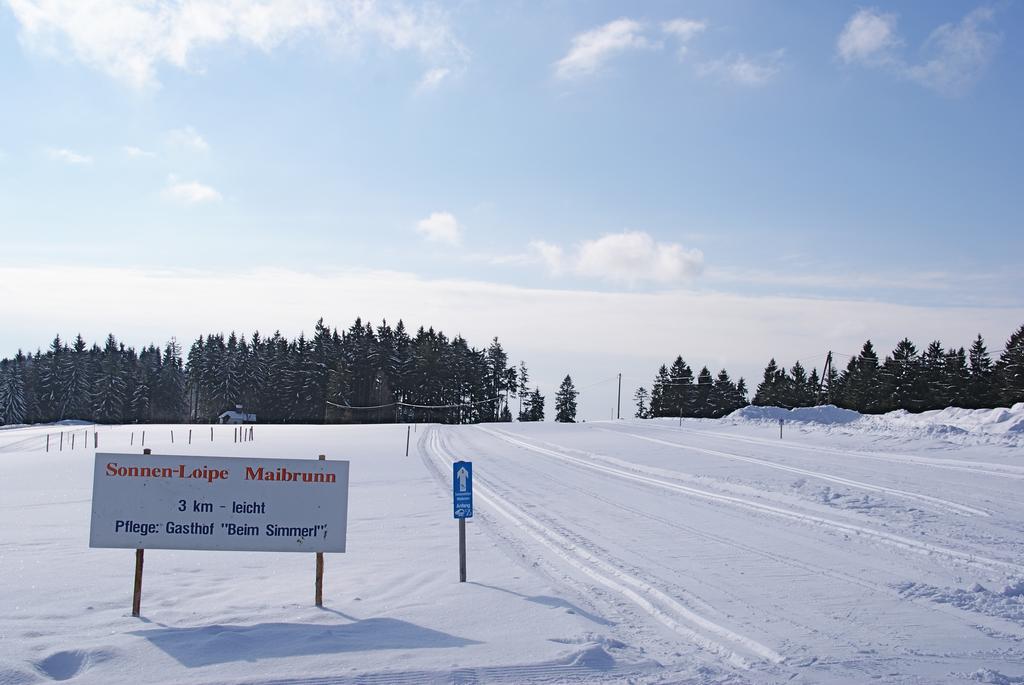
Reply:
x=854 y=549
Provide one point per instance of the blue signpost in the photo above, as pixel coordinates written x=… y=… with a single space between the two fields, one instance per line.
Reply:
x=462 y=502
x=462 y=489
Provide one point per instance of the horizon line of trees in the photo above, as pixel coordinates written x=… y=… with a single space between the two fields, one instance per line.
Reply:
x=675 y=392
x=363 y=374
x=906 y=379
x=370 y=375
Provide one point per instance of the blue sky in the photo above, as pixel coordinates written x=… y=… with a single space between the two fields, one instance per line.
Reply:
x=776 y=166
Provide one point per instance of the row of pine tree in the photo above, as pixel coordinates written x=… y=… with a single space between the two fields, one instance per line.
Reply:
x=332 y=376
x=905 y=379
x=675 y=392
x=383 y=374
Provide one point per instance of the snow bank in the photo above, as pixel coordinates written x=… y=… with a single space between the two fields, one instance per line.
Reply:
x=998 y=421
x=1002 y=424
x=826 y=414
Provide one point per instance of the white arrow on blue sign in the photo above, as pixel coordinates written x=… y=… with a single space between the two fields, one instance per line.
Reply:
x=462 y=489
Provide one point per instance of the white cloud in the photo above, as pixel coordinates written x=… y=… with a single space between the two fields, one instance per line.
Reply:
x=953 y=58
x=633 y=256
x=630 y=257
x=189 y=138
x=433 y=78
x=440 y=227
x=136 y=152
x=190 y=192
x=131 y=40
x=67 y=156
x=869 y=37
x=957 y=54
x=744 y=70
x=591 y=49
x=552 y=256
x=684 y=30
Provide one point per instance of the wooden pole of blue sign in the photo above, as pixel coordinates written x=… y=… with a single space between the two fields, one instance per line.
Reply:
x=140 y=557
x=462 y=550
x=320 y=569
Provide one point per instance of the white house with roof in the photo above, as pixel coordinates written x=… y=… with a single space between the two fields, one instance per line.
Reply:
x=237 y=415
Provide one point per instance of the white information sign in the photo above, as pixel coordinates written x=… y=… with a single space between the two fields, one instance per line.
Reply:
x=222 y=503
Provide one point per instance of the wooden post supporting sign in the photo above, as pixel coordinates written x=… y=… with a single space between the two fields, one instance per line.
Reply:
x=319 y=598
x=140 y=555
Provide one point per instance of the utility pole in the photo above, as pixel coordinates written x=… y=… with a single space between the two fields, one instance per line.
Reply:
x=618 y=406
x=824 y=375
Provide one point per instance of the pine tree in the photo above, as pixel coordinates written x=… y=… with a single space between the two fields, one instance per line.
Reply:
x=13 y=406
x=901 y=378
x=1009 y=371
x=535 y=406
x=980 y=384
x=169 y=387
x=565 y=402
x=76 y=382
x=702 y=394
x=51 y=385
x=956 y=378
x=497 y=372
x=110 y=394
x=859 y=383
x=722 y=395
x=524 y=381
x=800 y=391
x=814 y=386
x=772 y=390
x=680 y=392
x=640 y=397
x=659 y=405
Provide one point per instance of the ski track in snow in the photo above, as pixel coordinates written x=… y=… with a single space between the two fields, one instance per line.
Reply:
x=898 y=541
x=891 y=591
x=973 y=467
x=736 y=648
x=944 y=504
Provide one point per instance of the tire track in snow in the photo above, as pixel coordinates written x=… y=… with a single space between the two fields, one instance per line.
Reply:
x=651 y=600
x=984 y=468
x=898 y=541
x=956 y=508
